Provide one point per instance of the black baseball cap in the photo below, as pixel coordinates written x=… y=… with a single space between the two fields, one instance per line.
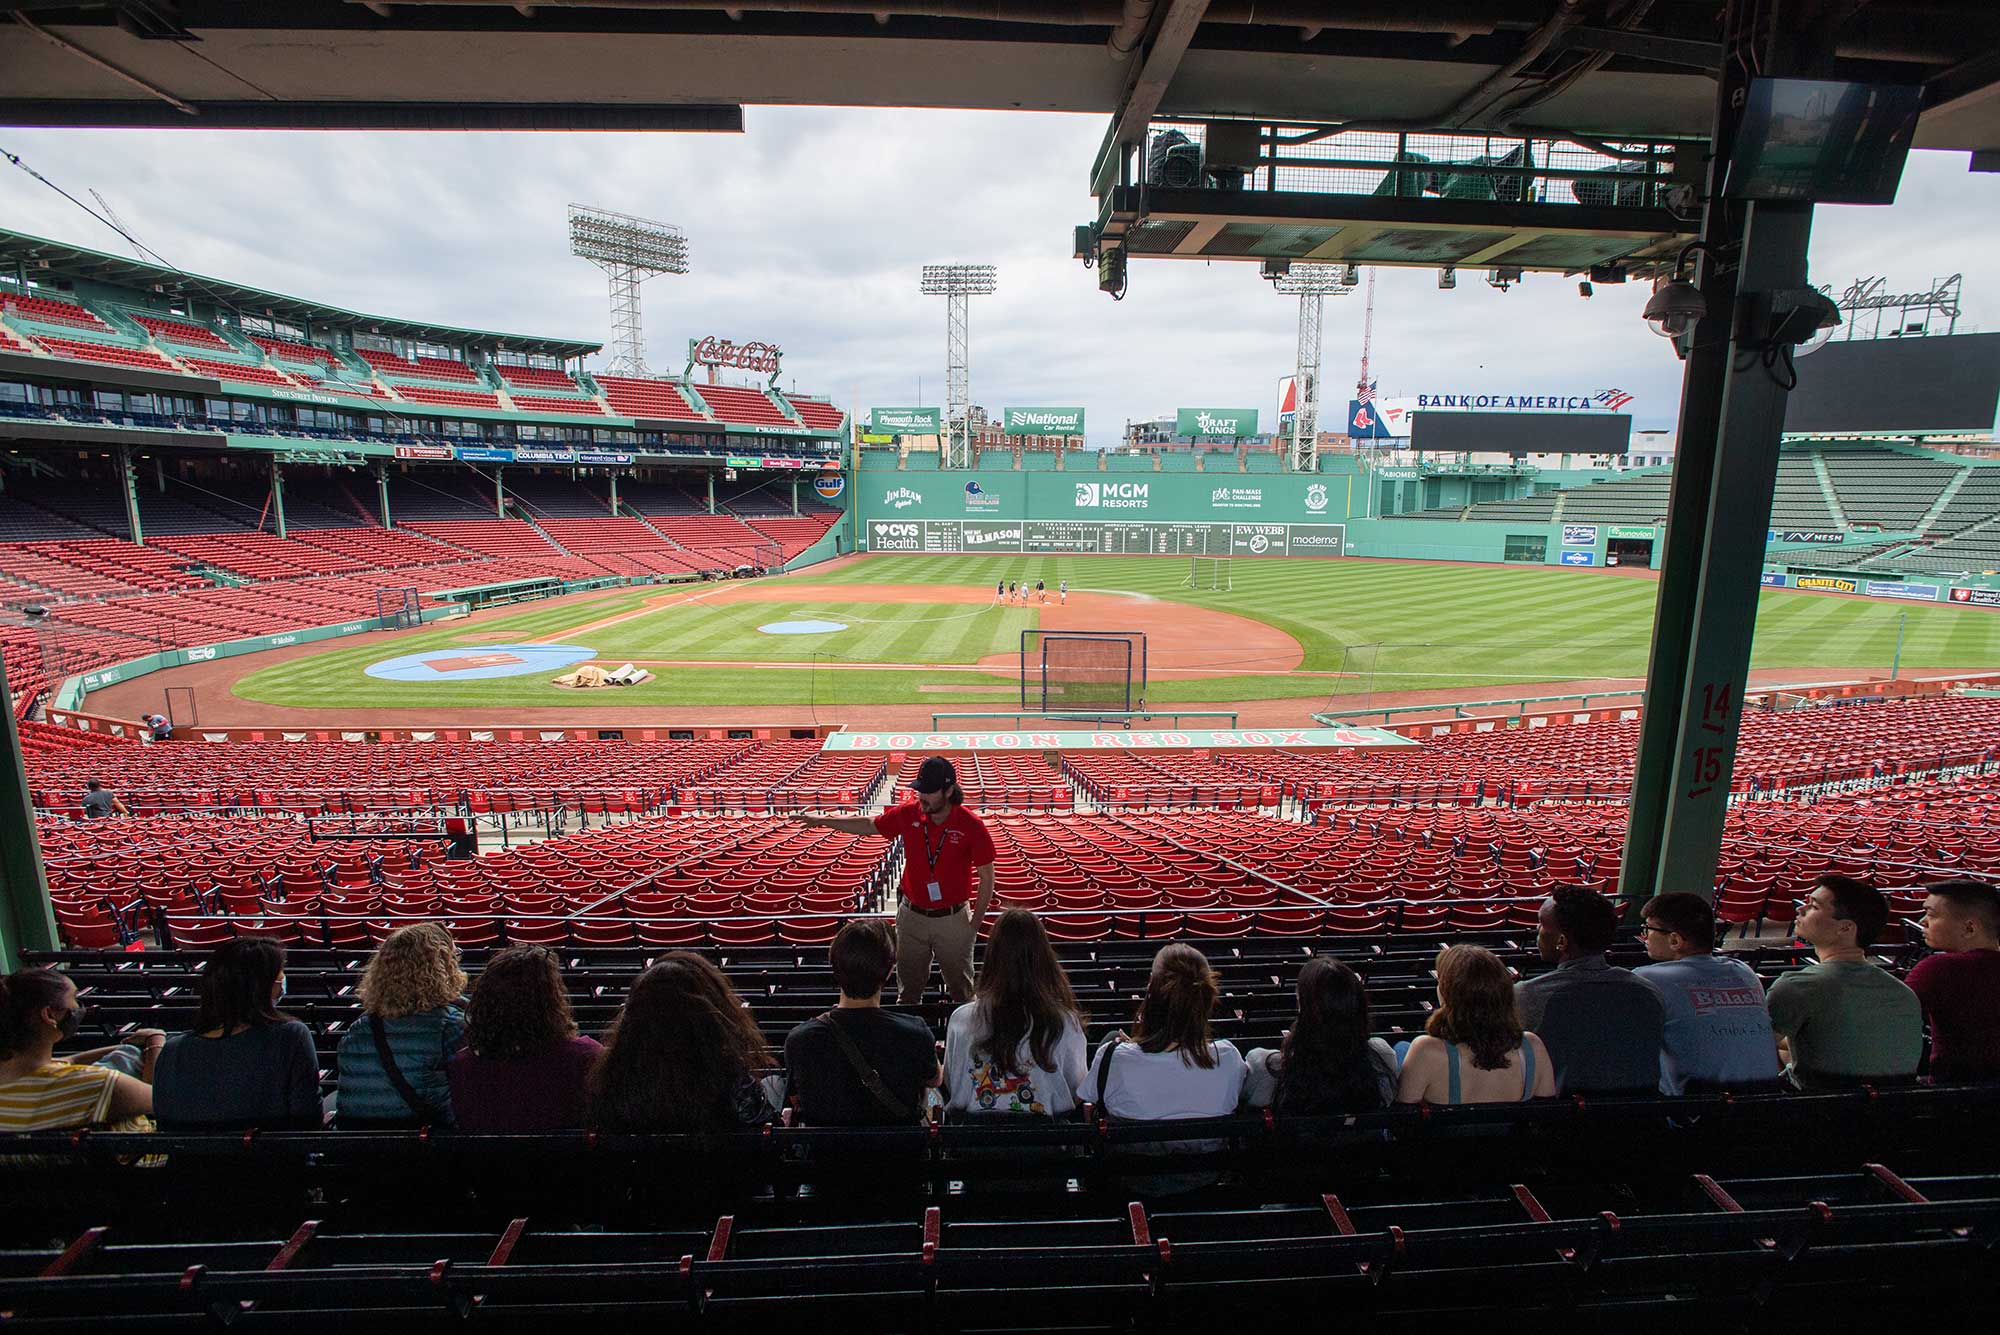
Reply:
x=935 y=775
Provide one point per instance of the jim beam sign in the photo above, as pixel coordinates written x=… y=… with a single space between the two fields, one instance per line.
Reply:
x=720 y=353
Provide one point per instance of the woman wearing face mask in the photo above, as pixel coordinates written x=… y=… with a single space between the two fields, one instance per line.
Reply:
x=245 y=1063
x=41 y=1092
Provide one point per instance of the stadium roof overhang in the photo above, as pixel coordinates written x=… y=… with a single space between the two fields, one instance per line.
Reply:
x=43 y=260
x=689 y=65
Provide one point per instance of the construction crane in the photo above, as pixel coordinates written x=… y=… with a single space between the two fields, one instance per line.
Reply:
x=111 y=214
x=1364 y=389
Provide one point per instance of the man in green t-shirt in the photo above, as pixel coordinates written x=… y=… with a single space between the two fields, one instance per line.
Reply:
x=1842 y=1017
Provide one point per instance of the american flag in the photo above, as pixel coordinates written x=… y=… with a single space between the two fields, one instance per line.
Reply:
x=1614 y=399
x=1365 y=393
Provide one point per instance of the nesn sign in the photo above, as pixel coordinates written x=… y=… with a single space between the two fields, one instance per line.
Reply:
x=1579 y=558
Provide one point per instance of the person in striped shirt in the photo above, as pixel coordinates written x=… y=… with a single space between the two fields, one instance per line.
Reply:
x=41 y=1092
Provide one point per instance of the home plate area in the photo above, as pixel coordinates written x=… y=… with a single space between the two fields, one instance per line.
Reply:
x=487 y=661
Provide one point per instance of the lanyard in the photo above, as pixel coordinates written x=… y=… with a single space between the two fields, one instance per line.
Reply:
x=931 y=854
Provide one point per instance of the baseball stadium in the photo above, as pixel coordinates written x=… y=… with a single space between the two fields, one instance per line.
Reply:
x=471 y=800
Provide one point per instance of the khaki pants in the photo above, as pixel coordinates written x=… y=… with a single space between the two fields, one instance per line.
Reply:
x=918 y=938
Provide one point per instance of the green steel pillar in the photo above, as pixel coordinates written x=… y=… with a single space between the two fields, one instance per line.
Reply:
x=278 y=495
x=795 y=495
x=499 y=493
x=382 y=494
x=614 y=493
x=128 y=482
x=25 y=920
x=711 y=491
x=1725 y=473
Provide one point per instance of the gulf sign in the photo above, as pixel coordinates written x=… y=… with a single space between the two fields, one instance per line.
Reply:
x=829 y=486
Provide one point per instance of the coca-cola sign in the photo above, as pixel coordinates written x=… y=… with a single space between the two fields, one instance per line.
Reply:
x=712 y=351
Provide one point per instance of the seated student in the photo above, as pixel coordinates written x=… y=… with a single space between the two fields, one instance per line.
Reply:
x=1171 y=1067
x=1473 y=1049
x=392 y=1059
x=1601 y=1025
x=1017 y=1047
x=1842 y=1018
x=523 y=1067
x=1328 y=1064
x=683 y=1055
x=1718 y=1032
x=859 y=1065
x=1960 y=985
x=245 y=1063
x=42 y=1092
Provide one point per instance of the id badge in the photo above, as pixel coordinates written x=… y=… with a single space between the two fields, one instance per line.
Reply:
x=936 y=892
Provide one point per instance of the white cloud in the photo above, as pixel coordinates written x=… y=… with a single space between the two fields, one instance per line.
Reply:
x=809 y=230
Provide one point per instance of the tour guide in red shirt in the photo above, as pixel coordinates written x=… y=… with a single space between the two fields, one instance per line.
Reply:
x=943 y=846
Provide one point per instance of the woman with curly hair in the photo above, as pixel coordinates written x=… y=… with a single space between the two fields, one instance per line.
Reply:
x=1473 y=1049
x=392 y=1060
x=524 y=1067
x=683 y=1055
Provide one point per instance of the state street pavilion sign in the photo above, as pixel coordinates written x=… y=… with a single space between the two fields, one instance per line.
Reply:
x=1234 y=423
x=1041 y=421
x=904 y=422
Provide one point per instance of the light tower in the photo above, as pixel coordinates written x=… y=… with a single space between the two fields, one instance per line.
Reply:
x=957 y=284
x=629 y=250
x=1313 y=284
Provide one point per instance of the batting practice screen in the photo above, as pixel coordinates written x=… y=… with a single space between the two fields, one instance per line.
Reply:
x=1066 y=671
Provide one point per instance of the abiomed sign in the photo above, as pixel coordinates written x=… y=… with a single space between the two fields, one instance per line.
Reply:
x=1235 y=739
x=1041 y=421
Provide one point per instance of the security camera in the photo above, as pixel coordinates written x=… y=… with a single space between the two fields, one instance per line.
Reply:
x=1584 y=289
x=1675 y=307
x=1447 y=279
x=1502 y=279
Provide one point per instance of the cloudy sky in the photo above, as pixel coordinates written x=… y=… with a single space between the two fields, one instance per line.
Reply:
x=809 y=230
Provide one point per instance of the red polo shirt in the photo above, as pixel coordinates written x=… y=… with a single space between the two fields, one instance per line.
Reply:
x=944 y=853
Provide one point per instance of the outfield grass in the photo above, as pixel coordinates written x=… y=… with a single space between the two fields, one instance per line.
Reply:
x=1391 y=626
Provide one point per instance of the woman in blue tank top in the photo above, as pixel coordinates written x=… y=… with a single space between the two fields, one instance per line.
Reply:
x=1473 y=1049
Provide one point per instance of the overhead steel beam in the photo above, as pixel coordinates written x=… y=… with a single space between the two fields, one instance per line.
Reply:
x=1693 y=55
x=1146 y=83
x=149 y=114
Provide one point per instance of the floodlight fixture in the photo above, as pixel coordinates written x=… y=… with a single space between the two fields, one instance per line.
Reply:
x=958 y=284
x=974 y=280
x=1312 y=284
x=630 y=250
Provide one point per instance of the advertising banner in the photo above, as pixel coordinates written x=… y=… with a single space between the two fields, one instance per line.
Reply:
x=1104 y=538
x=1236 y=498
x=1776 y=580
x=1826 y=584
x=538 y=454
x=1642 y=531
x=905 y=421
x=1367 y=421
x=1822 y=537
x=1578 y=558
x=602 y=457
x=1916 y=593
x=1041 y=421
x=1976 y=597
x=829 y=486
x=485 y=454
x=1234 y=423
x=741 y=461
x=440 y=452
x=1579 y=535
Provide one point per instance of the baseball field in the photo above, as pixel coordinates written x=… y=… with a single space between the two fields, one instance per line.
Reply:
x=924 y=630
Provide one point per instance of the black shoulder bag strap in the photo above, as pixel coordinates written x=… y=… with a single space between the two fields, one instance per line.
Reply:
x=871 y=1079
x=421 y=1106
x=1110 y=1051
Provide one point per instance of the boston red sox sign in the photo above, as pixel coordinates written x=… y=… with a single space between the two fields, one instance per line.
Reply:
x=712 y=351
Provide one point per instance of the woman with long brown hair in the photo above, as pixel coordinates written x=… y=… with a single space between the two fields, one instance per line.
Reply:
x=1473 y=1049
x=1018 y=1046
x=683 y=1055
x=1172 y=1066
x=1330 y=1062
x=524 y=1066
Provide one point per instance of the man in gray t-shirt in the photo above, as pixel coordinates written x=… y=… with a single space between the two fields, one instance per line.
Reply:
x=1841 y=1017
x=1602 y=1026
x=98 y=803
x=1718 y=1032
